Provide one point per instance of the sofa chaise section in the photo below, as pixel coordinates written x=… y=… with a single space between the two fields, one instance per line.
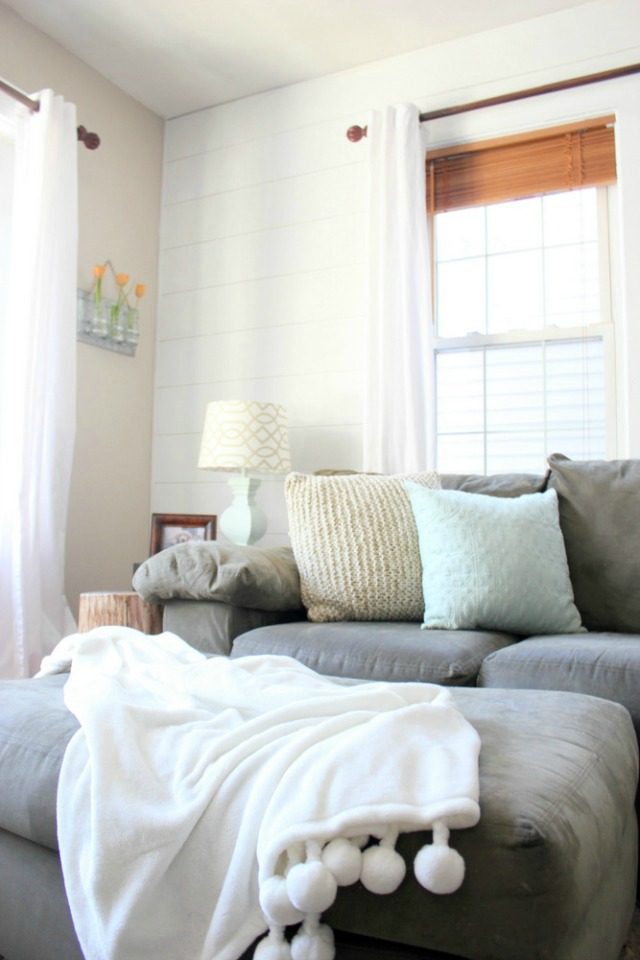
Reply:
x=550 y=868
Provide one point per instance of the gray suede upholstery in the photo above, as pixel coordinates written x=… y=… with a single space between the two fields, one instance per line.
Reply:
x=600 y=519
x=378 y=651
x=35 y=727
x=550 y=867
x=601 y=664
x=211 y=626
x=495 y=485
x=555 y=829
x=35 y=923
x=259 y=578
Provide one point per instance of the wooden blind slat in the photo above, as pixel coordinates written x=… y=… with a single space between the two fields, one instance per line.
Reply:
x=507 y=171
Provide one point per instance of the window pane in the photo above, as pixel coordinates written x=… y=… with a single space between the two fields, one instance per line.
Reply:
x=575 y=400
x=461 y=453
x=460 y=391
x=570 y=217
x=508 y=452
x=572 y=285
x=460 y=233
x=537 y=399
x=516 y=225
x=593 y=446
x=515 y=389
x=515 y=299
x=461 y=297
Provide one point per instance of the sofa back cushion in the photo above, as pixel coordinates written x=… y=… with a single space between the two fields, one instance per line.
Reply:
x=496 y=484
x=600 y=520
x=356 y=545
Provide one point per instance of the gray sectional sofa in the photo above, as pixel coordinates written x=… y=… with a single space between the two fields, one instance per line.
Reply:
x=552 y=865
x=599 y=507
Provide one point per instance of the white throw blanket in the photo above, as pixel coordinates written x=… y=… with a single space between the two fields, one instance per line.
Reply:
x=203 y=801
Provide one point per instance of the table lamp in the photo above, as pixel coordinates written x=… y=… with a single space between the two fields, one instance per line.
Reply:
x=243 y=437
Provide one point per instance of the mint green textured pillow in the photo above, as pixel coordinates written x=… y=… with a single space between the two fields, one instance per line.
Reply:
x=493 y=563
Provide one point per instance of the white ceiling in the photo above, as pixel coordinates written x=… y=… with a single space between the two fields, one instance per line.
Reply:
x=177 y=56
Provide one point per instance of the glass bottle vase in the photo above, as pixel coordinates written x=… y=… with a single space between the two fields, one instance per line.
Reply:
x=99 y=325
x=131 y=329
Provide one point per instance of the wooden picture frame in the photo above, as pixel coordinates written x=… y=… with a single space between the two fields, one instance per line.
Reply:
x=169 y=529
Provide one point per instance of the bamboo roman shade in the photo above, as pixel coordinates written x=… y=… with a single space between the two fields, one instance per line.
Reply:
x=546 y=161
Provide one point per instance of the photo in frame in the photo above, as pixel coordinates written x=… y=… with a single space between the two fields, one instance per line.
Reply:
x=169 y=529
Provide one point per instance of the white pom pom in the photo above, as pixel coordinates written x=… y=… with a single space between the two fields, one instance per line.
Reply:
x=361 y=840
x=383 y=869
x=344 y=860
x=315 y=944
x=438 y=868
x=275 y=902
x=311 y=887
x=273 y=947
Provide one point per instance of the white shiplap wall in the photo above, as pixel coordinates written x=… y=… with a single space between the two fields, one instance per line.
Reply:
x=263 y=242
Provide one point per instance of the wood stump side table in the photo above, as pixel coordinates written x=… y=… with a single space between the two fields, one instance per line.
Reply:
x=127 y=609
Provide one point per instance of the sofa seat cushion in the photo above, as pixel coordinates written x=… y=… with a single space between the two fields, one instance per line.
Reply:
x=35 y=727
x=601 y=664
x=378 y=651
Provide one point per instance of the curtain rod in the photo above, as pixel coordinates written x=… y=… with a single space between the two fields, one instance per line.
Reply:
x=90 y=140
x=356 y=133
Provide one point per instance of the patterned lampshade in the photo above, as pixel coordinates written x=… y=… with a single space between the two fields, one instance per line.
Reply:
x=245 y=436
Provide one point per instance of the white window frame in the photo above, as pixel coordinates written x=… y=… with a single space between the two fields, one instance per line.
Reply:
x=607 y=233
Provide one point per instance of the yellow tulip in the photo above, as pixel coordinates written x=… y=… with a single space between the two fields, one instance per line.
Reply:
x=141 y=289
x=122 y=278
x=98 y=271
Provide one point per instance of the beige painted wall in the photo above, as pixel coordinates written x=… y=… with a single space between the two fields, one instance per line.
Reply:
x=119 y=204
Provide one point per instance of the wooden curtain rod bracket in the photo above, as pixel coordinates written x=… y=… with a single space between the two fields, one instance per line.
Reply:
x=356 y=133
x=90 y=140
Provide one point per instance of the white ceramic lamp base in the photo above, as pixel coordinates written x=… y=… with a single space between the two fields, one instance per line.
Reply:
x=243 y=522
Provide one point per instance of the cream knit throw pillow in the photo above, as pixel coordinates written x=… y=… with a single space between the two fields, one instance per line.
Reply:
x=356 y=545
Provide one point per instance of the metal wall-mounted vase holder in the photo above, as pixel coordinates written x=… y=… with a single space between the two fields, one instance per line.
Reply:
x=107 y=324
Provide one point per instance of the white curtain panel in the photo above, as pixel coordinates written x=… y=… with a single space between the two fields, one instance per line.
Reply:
x=398 y=432
x=38 y=387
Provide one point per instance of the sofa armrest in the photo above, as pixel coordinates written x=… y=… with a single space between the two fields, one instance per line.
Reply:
x=211 y=626
x=255 y=578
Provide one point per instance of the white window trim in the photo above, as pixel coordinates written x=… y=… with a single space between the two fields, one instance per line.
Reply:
x=606 y=198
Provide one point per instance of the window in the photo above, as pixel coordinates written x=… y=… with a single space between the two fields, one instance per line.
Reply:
x=523 y=347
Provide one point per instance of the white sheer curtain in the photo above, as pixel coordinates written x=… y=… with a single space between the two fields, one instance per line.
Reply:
x=398 y=435
x=37 y=386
